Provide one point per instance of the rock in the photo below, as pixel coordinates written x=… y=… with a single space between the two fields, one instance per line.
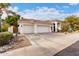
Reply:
x=2 y=50
x=5 y=48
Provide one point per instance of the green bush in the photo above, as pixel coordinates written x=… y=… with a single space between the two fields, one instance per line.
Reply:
x=70 y=24
x=4 y=27
x=5 y=38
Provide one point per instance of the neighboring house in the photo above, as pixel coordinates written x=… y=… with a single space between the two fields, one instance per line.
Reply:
x=37 y=26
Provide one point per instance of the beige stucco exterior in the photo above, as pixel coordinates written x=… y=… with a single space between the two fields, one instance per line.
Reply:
x=36 y=26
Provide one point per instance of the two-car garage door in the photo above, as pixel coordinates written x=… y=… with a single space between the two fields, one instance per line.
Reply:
x=30 y=29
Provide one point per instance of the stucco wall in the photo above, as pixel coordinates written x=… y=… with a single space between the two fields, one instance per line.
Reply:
x=34 y=28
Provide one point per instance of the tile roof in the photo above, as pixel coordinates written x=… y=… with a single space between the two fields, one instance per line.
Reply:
x=33 y=21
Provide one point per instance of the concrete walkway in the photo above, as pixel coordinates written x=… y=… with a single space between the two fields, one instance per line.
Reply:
x=45 y=44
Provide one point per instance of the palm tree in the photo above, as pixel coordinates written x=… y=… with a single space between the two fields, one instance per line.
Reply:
x=16 y=17
x=13 y=21
x=3 y=6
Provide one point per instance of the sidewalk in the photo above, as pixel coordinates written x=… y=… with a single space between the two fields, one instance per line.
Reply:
x=44 y=46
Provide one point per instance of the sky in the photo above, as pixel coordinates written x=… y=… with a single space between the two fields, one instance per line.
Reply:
x=45 y=11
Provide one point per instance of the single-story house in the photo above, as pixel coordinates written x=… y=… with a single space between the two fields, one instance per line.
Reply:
x=38 y=26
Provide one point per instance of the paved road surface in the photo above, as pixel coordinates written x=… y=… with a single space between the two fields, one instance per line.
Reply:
x=72 y=50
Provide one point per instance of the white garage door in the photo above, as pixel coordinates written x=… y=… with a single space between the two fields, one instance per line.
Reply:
x=41 y=29
x=27 y=29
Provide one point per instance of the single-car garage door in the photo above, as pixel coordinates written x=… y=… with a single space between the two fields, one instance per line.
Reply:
x=41 y=29
x=27 y=29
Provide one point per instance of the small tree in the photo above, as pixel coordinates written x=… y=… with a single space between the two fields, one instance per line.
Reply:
x=4 y=26
x=70 y=24
x=3 y=6
x=13 y=21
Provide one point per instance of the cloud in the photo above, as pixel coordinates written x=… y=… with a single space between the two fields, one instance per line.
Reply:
x=76 y=13
x=65 y=6
x=4 y=15
x=14 y=9
x=41 y=13
x=73 y=4
x=64 y=15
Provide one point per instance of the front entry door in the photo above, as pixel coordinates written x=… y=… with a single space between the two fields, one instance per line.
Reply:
x=54 y=27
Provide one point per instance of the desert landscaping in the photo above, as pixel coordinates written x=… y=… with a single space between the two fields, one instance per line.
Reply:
x=24 y=36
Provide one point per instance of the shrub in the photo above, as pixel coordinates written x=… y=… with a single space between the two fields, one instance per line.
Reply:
x=5 y=38
x=4 y=27
x=70 y=24
x=64 y=27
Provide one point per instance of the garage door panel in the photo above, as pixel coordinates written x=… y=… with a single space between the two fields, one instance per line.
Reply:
x=28 y=29
x=41 y=29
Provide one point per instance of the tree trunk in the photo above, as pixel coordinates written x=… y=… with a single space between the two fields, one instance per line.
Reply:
x=15 y=29
x=0 y=26
x=0 y=18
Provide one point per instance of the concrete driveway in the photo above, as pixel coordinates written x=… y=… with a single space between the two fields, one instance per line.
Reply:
x=47 y=44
